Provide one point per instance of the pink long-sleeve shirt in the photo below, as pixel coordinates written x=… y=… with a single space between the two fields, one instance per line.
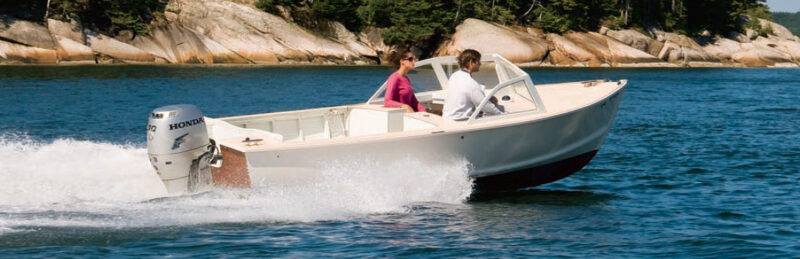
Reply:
x=399 y=92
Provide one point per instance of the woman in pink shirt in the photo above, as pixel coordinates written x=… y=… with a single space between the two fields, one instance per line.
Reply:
x=399 y=92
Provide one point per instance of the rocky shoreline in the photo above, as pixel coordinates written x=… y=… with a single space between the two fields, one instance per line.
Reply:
x=227 y=32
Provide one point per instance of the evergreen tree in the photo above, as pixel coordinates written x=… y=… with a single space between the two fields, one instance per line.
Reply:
x=581 y=15
x=33 y=10
x=271 y=6
x=425 y=23
x=790 y=20
x=376 y=13
x=419 y=22
x=343 y=11
x=110 y=16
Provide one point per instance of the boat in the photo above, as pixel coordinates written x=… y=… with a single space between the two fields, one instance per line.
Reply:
x=548 y=132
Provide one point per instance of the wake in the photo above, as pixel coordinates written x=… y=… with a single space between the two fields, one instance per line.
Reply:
x=73 y=183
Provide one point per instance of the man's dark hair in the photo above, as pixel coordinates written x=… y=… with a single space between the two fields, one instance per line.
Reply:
x=468 y=55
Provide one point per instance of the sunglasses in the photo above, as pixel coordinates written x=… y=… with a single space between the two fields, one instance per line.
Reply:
x=410 y=58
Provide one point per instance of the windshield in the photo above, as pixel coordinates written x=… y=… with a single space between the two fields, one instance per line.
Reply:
x=432 y=75
x=423 y=79
x=486 y=75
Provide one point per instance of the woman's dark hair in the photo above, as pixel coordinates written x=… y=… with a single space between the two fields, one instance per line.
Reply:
x=468 y=55
x=396 y=56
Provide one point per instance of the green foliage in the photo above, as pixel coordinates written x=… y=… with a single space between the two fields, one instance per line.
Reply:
x=376 y=13
x=118 y=15
x=710 y=15
x=760 y=11
x=755 y=25
x=110 y=16
x=766 y=30
x=343 y=11
x=500 y=11
x=309 y=14
x=614 y=22
x=27 y=10
x=580 y=15
x=675 y=21
x=424 y=23
x=789 y=20
x=751 y=12
x=270 y=6
x=695 y=16
x=549 y=20
x=60 y=9
x=419 y=22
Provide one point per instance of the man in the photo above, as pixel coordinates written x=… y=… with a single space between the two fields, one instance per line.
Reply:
x=463 y=92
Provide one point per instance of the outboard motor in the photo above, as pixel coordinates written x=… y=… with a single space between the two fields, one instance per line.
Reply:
x=180 y=149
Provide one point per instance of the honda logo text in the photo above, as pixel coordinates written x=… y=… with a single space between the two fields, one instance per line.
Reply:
x=184 y=124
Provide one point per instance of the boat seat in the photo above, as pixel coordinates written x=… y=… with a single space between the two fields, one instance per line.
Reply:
x=371 y=119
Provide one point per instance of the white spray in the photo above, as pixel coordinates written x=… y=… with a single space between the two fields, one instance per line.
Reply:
x=66 y=183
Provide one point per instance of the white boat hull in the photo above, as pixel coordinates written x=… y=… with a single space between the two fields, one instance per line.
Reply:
x=509 y=156
x=547 y=132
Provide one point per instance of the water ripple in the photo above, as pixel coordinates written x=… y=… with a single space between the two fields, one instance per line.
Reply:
x=699 y=163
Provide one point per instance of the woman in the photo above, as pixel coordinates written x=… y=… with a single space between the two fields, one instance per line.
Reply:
x=399 y=92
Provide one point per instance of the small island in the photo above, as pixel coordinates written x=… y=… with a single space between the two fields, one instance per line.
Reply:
x=533 y=33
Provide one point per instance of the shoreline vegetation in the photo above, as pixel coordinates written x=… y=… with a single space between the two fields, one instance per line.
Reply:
x=531 y=33
x=789 y=20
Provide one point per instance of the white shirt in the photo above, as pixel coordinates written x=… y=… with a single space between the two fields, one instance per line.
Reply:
x=463 y=95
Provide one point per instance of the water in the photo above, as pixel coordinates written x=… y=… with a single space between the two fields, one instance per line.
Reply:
x=700 y=162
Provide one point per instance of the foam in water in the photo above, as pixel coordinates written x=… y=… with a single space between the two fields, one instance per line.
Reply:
x=70 y=183
x=68 y=171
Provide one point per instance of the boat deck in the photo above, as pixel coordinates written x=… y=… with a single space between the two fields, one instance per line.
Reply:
x=371 y=122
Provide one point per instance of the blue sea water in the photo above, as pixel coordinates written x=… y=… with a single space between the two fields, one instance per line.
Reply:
x=699 y=163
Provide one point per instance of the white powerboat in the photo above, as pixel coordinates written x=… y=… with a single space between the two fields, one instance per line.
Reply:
x=547 y=132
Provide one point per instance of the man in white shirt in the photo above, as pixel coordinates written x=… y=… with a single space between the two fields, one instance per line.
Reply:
x=463 y=92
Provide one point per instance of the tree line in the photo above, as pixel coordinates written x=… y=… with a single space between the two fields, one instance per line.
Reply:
x=421 y=22
x=790 y=20
x=424 y=23
x=110 y=16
